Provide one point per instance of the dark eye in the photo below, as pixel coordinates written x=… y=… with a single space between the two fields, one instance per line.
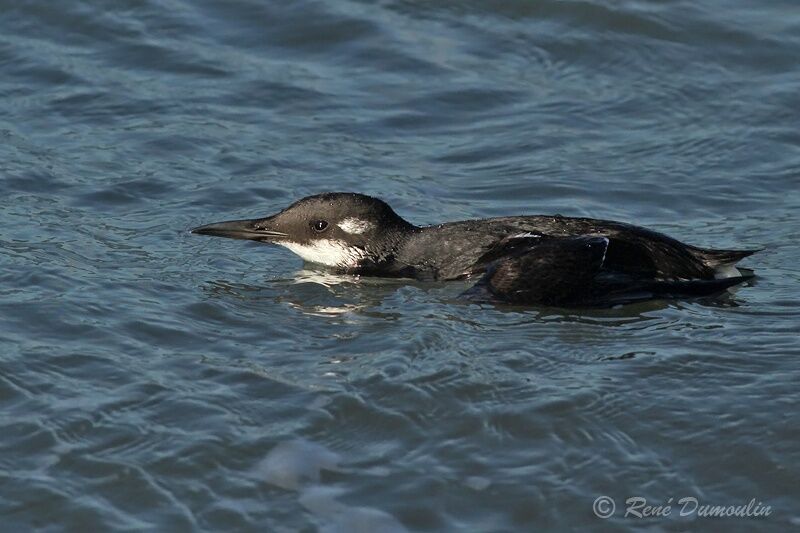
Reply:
x=319 y=225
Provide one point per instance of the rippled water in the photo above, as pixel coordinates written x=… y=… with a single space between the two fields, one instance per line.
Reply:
x=151 y=379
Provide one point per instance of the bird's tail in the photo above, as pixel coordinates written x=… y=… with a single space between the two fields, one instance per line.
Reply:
x=697 y=287
x=719 y=258
x=723 y=262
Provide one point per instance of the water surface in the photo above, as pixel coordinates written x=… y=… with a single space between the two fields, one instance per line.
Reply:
x=151 y=379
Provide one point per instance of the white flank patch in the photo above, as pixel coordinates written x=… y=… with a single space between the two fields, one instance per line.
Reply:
x=526 y=235
x=354 y=225
x=327 y=252
x=726 y=271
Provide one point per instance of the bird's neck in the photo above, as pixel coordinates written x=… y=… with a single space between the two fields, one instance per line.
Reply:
x=441 y=251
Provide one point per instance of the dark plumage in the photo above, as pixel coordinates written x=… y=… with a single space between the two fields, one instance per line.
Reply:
x=547 y=260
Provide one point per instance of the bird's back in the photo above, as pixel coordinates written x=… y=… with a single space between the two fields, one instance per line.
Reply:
x=464 y=249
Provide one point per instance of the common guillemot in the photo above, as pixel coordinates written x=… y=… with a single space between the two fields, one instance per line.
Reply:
x=531 y=260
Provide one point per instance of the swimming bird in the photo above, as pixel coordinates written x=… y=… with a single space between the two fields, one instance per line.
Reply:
x=529 y=260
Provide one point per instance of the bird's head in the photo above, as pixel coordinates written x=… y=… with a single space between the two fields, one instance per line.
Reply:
x=333 y=229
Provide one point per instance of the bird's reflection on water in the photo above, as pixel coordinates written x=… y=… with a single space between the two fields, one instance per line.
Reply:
x=318 y=292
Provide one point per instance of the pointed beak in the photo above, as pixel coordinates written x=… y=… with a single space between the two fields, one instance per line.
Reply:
x=252 y=230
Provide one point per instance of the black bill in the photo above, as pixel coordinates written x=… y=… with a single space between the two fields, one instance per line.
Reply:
x=252 y=230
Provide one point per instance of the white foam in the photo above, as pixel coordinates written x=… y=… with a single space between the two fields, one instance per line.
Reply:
x=337 y=517
x=292 y=464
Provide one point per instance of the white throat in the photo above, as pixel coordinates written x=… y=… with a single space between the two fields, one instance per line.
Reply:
x=328 y=252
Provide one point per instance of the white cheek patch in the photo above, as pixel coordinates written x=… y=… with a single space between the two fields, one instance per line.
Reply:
x=354 y=225
x=327 y=252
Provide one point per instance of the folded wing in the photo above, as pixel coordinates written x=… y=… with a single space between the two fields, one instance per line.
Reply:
x=576 y=271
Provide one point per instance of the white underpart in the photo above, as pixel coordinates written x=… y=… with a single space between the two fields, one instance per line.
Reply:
x=354 y=225
x=526 y=235
x=726 y=271
x=327 y=252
